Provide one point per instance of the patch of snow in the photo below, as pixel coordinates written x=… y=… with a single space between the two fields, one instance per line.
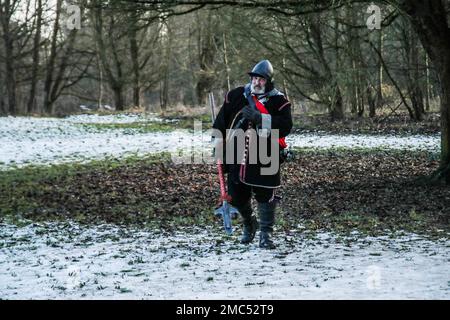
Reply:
x=85 y=108
x=70 y=261
x=325 y=141
x=114 y=118
x=27 y=140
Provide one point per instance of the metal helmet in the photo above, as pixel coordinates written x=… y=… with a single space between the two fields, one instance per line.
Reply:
x=262 y=69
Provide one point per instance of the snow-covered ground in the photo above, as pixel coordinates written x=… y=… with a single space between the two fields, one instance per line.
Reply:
x=26 y=140
x=325 y=140
x=69 y=261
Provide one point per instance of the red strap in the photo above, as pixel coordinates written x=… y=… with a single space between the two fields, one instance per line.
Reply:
x=260 y=106
x=262 y=109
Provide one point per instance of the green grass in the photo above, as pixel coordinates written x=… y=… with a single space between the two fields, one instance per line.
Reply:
x=31 y=173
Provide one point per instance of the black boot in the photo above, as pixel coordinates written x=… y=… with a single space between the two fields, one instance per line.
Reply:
x=250 y=223
x=266 y=218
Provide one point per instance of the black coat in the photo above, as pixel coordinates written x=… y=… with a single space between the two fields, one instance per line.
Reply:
x=279 y=109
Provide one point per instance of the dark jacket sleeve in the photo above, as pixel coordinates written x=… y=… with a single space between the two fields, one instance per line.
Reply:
x=228 y=110
x=282 y=118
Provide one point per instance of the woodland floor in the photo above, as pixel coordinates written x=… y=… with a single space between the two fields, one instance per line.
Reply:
x=358 y=220
x=340 y=190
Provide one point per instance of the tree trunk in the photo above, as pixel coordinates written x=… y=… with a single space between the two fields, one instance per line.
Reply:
x=2 y=103
x=115 y=82
x=100 y=77
x=48 y=103
x=331 y=85
x=360 y=94
x=427 y=84
x=415 y=92
x=285 y=87
x=165 y=92
x=337 y=107
x=379 y=91
x=10 y=74
x=350 y=16
x=445 y=119
x=36 y=49
x=6 y=11
x=206 y=52
x=337 y=111
x=118 y=98
x=134 y=53
x=118 y=81
x=192 y=59
x=429 y=19
x=227 y=68
x=371 y=100
x=164 y=85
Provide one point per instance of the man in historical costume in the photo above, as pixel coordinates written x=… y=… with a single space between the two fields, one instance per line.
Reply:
x=260 y=107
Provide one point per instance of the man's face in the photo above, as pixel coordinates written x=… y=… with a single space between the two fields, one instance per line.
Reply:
x=258 y=84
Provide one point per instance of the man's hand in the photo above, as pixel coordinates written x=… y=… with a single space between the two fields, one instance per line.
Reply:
x=252 y=114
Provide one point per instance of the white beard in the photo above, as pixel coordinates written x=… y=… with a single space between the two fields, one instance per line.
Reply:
x=257 y=91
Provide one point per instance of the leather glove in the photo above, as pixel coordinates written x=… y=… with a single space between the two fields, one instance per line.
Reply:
x=252 y=114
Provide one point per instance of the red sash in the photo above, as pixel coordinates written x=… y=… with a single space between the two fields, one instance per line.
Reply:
x=263 y=109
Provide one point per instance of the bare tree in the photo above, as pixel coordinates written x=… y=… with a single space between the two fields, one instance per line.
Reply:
x=167 y=42
x=125 y=54
x=31 y=106
x=58 y=77
x=7 y=9
x=430 y=21
x=207 y=46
